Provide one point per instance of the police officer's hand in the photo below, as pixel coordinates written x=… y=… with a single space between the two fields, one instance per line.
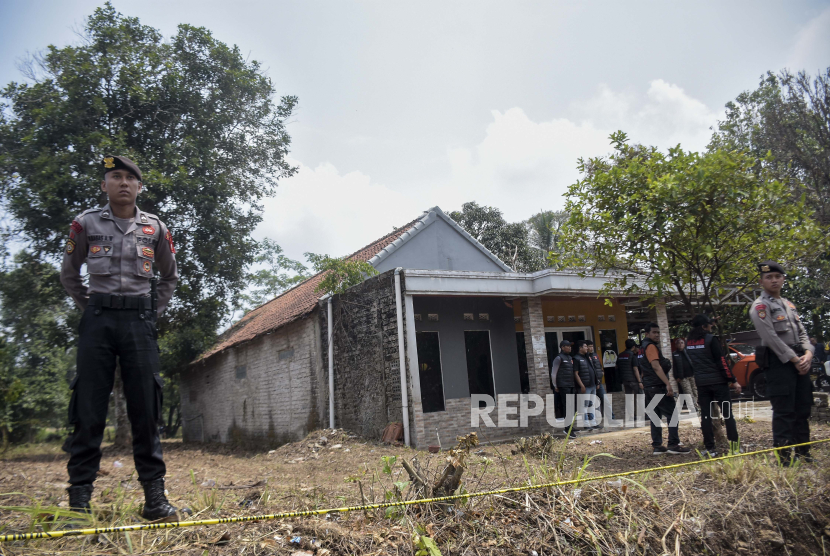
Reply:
x=582 y=389
x=555 y=389
x=669 y=391
x=804 y=362
x=736 y=387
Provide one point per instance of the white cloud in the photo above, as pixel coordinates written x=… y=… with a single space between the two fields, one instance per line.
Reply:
x=812 y=45
x=520 y=166
x=322 y=211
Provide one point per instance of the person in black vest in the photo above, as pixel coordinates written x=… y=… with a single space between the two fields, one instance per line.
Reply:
x=599 y=372
x=713 y=379
x=585 y=376
x=654 y=366
x=562 y=379
x=684 y=373
x=628 y=371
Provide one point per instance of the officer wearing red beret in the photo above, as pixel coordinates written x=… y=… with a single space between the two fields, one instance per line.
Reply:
x=120 y=245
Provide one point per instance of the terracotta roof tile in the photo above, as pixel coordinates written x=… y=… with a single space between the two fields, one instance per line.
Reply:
x=291 y=305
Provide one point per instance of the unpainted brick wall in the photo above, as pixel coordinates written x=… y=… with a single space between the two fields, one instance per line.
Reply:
x=273 y=401
x=367 y=382
x=821 y=407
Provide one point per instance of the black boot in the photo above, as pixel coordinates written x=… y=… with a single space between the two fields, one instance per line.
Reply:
x=784 y=457
x=156 y=505
x=79 y=497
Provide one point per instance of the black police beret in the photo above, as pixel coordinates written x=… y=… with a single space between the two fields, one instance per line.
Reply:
x=111 y=163
x=564 y=343
x=770 y=266
x=701 y=320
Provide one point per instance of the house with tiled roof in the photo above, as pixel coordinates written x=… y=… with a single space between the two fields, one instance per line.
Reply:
x=443 y=321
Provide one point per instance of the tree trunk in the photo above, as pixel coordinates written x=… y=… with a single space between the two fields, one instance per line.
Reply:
x=173 y=426
x=123 y=436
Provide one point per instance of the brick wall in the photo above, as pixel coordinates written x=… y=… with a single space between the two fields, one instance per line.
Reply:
x=821 y=407
x=367 y=381
x=263 y=393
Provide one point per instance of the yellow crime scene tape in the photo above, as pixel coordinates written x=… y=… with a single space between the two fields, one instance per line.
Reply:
x=307 y=513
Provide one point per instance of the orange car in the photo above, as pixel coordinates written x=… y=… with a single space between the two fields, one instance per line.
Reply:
x=752 y=380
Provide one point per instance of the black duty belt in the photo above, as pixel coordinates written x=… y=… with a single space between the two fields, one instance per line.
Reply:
x=108 y=301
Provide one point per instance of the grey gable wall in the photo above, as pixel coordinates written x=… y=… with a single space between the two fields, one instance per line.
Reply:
x=439 y=247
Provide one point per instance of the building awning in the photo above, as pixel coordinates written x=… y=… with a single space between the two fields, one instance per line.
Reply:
x=505 y=284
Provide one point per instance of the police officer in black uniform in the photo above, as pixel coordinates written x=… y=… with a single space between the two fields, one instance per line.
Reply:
x=586 y=383
x=628 y=371
x=120 y=245
x=562 y=378
x=788 y=358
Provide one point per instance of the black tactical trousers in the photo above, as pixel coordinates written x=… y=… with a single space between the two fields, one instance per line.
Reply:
x=561 y=400
x=130 y=335
x=717 y=394
x=791 y=398
x=664 y=410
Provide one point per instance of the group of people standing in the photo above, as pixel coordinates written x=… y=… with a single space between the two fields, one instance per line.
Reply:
x=700 y=369
x=577 y=373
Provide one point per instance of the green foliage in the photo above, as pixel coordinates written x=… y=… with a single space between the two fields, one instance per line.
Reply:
x=37 y=325
x=544 y=232
x=198 y=119
x=508 y=242
x=785 y=124
x=340 y=273
x=276 y=273
x=682 y=221
x=425 y=546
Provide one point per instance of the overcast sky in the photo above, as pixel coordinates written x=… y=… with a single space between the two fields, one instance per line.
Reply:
x=408 y=105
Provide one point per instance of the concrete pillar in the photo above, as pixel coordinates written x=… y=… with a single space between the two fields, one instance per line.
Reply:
x=538 y=376
x=665 y=336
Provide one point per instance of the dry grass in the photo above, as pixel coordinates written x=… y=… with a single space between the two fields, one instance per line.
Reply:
x=746 y=506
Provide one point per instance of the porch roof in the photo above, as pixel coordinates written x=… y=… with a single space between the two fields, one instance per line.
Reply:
x=515 y=284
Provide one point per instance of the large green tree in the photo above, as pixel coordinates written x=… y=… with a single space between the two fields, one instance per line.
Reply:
x=508 y=241
x=37 y=323
x=682 y=223
x=785 y=125
x=199 y=119
x=544 y=232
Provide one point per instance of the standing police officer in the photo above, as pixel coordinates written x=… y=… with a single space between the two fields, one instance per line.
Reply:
x=564 y=386
x=586 y=383
x=788 y=382
x=119 y=244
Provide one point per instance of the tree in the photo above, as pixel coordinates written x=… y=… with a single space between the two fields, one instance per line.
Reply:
x=197 y=117
x=340 y=273
x=544 y=232
x=275 y=273
x=509 y=242
x=681 y=222
x=785 y=125
x=37 y=324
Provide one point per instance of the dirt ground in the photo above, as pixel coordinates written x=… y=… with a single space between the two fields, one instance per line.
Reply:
x=333 y=468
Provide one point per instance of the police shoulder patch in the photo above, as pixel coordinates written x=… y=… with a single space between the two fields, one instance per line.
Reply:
x=70 y=246
x=76 y=227
x=169 y=237
x=762 y=310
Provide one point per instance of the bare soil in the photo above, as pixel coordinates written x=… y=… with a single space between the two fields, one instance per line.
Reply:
x=747 y=506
